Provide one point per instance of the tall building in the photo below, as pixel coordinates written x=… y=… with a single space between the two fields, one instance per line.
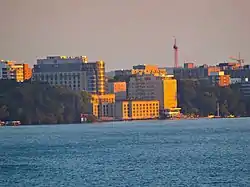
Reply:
x=119 y=89
x=74 y=72
x=150 y=87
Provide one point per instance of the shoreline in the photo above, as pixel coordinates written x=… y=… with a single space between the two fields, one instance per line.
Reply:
x=105 y=121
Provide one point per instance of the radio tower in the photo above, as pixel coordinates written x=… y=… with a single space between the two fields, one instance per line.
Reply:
x=175 y=54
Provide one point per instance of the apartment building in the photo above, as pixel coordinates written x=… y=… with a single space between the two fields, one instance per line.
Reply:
x=119 y=89
x=74 y=72
x=150 y=87
x=136 y=109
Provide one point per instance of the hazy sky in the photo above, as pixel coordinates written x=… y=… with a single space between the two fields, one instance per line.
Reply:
x=125 y=32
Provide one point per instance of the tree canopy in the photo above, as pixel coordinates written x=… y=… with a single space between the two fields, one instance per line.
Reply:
x=197 y=98
x=40 y=103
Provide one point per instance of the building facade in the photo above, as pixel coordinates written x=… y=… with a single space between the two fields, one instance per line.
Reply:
x=74 y=72
x=6 y=72
x=136 y=109
x=119 y=89
x=148 y=69
x=150 y=87
x=102 y=106
x=23 y=72
x=200 y=72
x=20 y=72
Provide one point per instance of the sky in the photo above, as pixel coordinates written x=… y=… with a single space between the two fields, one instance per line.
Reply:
x=125 y=32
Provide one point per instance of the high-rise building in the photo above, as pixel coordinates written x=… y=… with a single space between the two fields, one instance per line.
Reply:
x=150 y=87
x=74 y=72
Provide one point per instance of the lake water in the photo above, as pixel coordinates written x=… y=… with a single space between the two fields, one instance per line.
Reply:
x=146 y=153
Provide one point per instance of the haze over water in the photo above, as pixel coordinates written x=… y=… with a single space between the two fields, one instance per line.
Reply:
x=146 y=153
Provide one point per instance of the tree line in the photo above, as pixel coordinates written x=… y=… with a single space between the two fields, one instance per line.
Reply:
x=195 y=97
x=40 y=103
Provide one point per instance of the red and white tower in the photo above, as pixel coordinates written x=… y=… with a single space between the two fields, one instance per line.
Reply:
x=175 y=54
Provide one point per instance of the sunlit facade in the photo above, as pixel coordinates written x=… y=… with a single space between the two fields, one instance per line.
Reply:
x=148 y=69
x=149 y=87
x=74 y=72
x=101 y=105
x=21 y=72
x=137 y=109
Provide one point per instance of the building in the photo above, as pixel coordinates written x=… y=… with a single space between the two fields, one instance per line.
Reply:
x=119 y=89
x=150 y=87
x=235 y=80
x=123 y=73
x=239 y=73
x=136 y=109
x=21 y=72
x=189 y=65
x=229 y=66
x=245 y=87
x=220 y=79
x=148 y=69
x=201 y=72
x=6 y=72
x=74 y=72
x=102 y=106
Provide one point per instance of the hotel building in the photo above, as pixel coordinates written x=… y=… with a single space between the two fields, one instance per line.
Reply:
x=74 y=72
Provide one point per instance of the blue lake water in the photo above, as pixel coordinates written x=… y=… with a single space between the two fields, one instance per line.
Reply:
x=146 y=153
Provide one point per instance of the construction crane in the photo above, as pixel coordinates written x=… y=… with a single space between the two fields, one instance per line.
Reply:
x=239 y=59
x=175 y=53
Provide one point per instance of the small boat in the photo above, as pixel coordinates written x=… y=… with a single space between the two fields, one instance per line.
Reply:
x=230 y=116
